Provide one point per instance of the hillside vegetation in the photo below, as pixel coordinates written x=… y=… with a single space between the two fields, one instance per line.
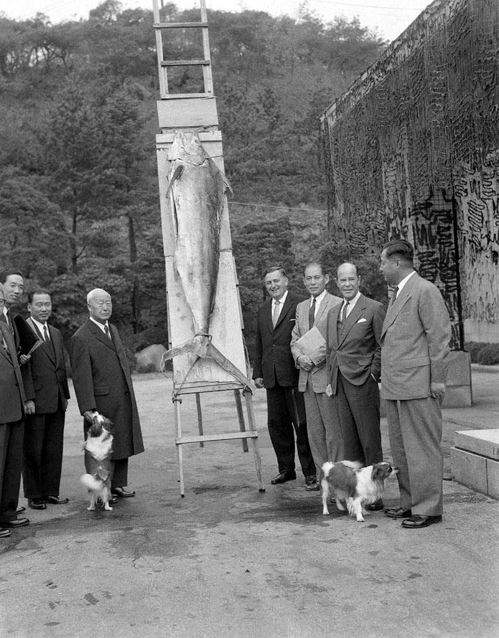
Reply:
x=78 y=184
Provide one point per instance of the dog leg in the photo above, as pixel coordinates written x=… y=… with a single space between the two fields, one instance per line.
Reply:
x=105 y=500
x=91 y=507
x=340 y=501
x=355 y=507
x=325 y=496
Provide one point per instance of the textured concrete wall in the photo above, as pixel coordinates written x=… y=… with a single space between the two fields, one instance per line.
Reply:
x=412 y=150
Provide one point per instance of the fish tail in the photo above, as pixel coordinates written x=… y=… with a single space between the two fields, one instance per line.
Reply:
x=229 y=367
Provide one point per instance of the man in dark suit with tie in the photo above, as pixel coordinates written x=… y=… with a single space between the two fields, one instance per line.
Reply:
x=13 y=285
x=274 y=369
x=44 y=430
x=12 y=410
x=354 y=354
x=103 y=383
x=414 y=348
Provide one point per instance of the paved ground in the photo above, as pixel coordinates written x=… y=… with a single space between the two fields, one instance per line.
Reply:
x=228 y=561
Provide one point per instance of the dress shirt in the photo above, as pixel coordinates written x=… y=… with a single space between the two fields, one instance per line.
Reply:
x=280 y=304
x=318 y=301
x=40 y=327
x=350 y=305
x=101 y=326
x=402 y=283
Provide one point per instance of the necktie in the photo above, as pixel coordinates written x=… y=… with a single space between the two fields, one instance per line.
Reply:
x=275 y=312
x=8 y=319
x=344 y=312
x=46 y=334
x=311 y=314
x=106 y=330
x=394 y=294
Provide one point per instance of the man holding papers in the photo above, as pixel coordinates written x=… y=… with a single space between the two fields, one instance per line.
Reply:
x=354 y=366
x=308 y=346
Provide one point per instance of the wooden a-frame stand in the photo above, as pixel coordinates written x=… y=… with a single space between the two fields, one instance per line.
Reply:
x=198 y=112
x=244 y=433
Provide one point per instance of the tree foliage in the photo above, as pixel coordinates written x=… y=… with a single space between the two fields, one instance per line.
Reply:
x=78 y=188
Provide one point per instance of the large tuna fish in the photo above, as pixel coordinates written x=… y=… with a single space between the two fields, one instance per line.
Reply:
x=197 y=191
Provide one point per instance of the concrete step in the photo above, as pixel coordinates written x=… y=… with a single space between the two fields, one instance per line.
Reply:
x=475 y=460
x=482 y=442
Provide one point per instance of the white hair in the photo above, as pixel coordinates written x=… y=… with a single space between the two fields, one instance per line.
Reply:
x=94 y=292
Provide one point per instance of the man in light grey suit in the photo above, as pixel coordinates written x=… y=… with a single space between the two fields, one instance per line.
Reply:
x=414 y=346
x=324 y=434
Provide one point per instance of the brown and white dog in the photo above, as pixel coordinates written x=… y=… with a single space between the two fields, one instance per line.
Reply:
x=354 y=486
x=98 y=448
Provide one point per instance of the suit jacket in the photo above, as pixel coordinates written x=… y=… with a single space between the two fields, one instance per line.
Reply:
x=103 y=382
x=415 y=341
x=48 y=372
x=318 y=375
x=29 y=391
x=273 y=360
x=355 y=350
x=12 y=396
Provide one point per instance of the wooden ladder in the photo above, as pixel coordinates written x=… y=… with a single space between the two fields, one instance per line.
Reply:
x=185 y=110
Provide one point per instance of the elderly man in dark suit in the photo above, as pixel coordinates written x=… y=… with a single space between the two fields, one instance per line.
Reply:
x=415 y=343
x=44 y=430
x=324 y=433
x=12 y=410
x=274 y=369
x=354 y=363
x=103 y=383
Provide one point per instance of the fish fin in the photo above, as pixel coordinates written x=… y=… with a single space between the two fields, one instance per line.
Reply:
x=227 y=184
x=177 y=174
x=184 y=348
x=213 y=353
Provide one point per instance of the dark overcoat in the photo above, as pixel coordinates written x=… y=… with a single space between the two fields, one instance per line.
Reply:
x=103 y=382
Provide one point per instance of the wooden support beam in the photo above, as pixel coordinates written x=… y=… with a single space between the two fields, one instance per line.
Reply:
x=185 y=63
x=180 y=25
x=216 y=437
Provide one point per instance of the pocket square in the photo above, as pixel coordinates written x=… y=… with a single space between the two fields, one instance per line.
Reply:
x=361 y=320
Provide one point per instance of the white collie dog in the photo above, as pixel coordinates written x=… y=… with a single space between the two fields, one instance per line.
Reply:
x=354 y=486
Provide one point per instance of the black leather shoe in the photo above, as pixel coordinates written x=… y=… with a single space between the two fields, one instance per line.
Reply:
x=57 y=500
x=113 y=500
x=376 y=506
x=18 y=522
x=36 y=503
x=397 y=512
x=122 y=492
x=282 y=477
x=20 y=509
x=418 y=521
x=4 y=533
x=311 y=484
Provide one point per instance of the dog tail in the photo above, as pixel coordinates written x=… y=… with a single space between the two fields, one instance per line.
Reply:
x=326 y=468
x=90 y=482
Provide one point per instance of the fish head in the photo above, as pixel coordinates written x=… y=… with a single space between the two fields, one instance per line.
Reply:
x=187 y=147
